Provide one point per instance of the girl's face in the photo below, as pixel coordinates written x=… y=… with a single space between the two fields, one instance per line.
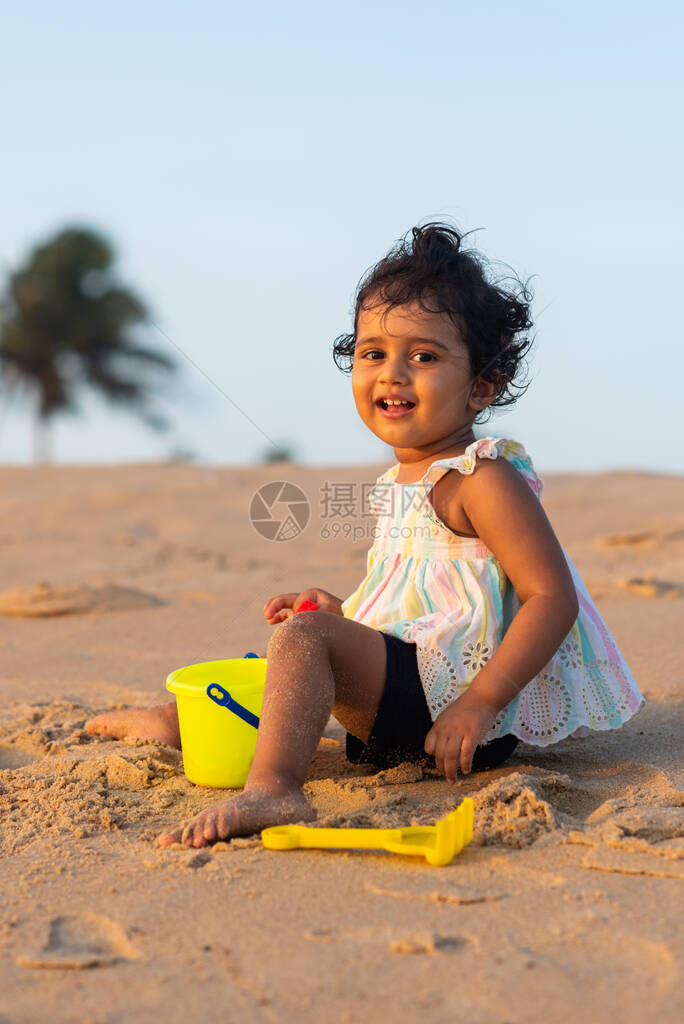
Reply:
x=419 y=359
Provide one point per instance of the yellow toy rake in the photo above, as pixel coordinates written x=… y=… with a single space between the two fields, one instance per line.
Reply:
x=438 y=843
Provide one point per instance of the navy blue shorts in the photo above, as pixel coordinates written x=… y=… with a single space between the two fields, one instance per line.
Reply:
x=403 y=719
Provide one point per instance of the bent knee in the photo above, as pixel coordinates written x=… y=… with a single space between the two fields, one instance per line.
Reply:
x=299 y=630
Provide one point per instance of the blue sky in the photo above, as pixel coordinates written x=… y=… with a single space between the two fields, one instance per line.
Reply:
x=250 y=163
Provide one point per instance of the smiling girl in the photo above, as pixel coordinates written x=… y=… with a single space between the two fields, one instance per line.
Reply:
x=472 y=629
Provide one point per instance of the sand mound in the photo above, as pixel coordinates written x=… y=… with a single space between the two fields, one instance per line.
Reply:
x=641 y=832
x=43 y=600
x=654 y=827
x=40 y=729
x=512 y=812
x=56 y=780
x=76 y=795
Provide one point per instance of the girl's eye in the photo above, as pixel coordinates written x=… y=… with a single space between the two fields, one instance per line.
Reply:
x=375 y=354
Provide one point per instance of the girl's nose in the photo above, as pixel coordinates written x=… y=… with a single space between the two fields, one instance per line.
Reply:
x=394 y=371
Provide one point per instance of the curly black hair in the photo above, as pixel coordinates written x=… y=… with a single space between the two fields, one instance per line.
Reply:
x=427 y=265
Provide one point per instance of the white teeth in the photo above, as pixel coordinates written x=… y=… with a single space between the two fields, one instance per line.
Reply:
x=391 y=401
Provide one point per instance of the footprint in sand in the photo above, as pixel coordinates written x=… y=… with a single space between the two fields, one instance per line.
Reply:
x=77 y=941
x=44 y=600
x=643 y=539
x=649 y=586
x=429 y=944
x=630 y=540
x=617 y=862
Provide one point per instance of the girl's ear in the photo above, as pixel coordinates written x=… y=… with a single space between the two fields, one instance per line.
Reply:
x=482 y=394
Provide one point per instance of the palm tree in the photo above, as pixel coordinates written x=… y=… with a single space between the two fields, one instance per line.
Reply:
x=66 y=323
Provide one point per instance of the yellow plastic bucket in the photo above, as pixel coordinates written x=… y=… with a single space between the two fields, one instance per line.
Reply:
x=218 y=743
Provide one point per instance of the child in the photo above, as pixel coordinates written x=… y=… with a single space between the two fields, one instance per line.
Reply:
x=472 y=628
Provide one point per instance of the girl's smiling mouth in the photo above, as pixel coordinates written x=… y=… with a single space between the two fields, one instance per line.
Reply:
x=394 y=407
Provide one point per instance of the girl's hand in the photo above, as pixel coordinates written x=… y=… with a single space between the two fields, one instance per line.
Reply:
x=281 y=607
x=456 y=733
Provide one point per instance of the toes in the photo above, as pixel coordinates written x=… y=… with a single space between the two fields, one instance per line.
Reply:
x=209 y=830
x=224 y=823
x=242 y=815
x=194 y=837
x=100 y=726
x=217 y=822
x=169 y=838
x=192 y=833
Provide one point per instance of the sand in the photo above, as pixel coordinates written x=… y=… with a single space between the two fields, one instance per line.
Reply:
x=568 y=899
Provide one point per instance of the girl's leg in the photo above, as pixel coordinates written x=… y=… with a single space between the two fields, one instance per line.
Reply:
x=318 y=663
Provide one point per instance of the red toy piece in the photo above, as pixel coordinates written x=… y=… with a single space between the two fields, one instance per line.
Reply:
x=307 y=606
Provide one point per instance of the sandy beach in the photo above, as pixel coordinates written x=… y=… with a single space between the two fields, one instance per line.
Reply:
x=568 y=900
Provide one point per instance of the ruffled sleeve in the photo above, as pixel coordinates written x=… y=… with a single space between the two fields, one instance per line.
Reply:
x=488 y=448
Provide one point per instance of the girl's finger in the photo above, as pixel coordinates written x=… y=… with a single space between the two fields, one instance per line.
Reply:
x=280 y=616
x=439 y=753
x=467 y=754
x=452 y=756
x=430 y=742
x=274 y=604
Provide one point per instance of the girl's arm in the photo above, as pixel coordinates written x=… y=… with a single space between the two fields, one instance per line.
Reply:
x=509 y=519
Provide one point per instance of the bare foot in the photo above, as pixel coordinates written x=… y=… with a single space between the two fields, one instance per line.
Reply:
x=242 y=815
x=156 y=723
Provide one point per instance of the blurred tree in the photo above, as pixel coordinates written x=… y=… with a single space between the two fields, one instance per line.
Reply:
x=282 y=453
x=67 y=324
x=181 y=453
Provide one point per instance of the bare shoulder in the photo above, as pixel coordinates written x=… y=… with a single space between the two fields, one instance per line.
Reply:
x=495 y=474
x=496 y=484
x=457 y=496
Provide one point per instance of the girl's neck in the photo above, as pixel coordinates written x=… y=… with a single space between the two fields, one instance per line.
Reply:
x=414 y=461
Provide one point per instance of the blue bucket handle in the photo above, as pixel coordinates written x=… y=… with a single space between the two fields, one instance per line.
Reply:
x=224 y=700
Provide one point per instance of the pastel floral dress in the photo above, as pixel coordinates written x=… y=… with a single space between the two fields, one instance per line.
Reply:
x=450 y=596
